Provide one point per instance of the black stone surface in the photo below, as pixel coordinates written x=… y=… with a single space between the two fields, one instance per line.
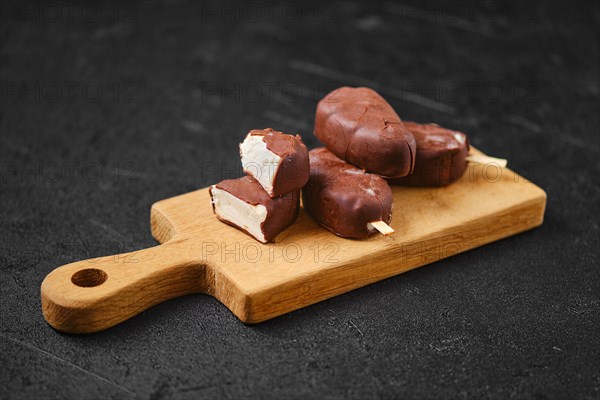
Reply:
x=107 y=108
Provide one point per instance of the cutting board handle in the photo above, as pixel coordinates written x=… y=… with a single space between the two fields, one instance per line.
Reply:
x=91 y=295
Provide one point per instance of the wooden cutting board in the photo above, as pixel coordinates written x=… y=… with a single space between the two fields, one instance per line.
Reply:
x=305 y=265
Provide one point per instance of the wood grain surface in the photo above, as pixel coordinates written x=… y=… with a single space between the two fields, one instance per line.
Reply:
x=304 y=265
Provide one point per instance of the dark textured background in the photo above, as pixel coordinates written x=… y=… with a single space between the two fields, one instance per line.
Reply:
x=161 y=94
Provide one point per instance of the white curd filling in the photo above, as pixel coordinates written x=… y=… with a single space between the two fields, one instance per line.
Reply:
x=247 y=216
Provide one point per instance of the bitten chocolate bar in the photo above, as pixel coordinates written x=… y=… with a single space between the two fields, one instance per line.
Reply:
x=441 y=156
x=243 y=203
x=360 y=127
x=344 y=198
x=279 y=162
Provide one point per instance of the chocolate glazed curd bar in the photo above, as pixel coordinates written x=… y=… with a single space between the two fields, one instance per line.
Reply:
x=244 y=204
x=343 y=198
x=441 y=156
x=279 y=162
x=361 y=128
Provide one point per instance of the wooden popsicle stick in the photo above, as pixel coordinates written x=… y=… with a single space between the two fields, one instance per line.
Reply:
x=483 y=159
x=382 y=227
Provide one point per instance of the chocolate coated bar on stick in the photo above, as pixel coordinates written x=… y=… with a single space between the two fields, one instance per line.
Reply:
x=345 y=199
x=441 y=156
x=361 y=128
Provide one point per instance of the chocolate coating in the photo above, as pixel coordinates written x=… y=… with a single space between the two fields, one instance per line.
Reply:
x=344 y=198
x=440 y=158
x=281 y=211
x=292 y=172
x=360 y=127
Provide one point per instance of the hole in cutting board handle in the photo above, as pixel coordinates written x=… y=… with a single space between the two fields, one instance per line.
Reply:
x=89 y=277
